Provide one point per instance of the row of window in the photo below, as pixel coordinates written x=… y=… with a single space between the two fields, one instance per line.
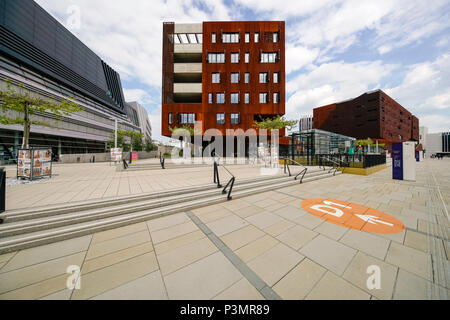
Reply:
x=265 y=57
x=234 y=37
x=235 y=77
x=235 y=97
x=189 y=118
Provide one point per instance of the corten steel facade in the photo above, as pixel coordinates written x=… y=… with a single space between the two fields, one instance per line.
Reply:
x=214 y=70
x=372 y=115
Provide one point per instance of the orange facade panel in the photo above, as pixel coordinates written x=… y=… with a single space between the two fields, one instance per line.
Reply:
x=245 y=60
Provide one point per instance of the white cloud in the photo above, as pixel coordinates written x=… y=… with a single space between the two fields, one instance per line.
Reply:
x=436 y=123
x=139 y=95
x=298 y=57
x=333 y=82
x=426 y=86
x=129 y=36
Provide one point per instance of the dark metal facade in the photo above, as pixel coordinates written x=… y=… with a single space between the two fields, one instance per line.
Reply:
x=372 y=115
x=31 y=36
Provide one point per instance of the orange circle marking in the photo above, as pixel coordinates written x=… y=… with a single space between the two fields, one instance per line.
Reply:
x=352 y=215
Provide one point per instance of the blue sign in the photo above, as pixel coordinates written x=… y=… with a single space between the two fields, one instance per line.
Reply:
x=397 y=160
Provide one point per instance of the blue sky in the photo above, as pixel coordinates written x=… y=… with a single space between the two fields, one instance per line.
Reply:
x=335 y=49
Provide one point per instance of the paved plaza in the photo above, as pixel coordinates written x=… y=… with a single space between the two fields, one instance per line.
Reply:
x=263 y=246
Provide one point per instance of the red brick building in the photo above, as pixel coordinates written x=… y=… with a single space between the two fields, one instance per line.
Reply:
x=372 y=115
x=226 y=74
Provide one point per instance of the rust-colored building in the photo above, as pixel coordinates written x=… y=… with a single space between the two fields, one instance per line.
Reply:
x=372 y=115
x=225 y=74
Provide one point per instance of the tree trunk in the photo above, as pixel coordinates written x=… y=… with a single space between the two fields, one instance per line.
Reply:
x=26 y=128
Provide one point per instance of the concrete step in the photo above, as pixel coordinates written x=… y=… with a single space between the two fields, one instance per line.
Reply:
x=41 y=221
x=44 y=230
x=46 y=211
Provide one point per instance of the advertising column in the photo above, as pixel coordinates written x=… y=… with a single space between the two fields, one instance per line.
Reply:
x=409 y=161
x=397 y=161
x=403 y=161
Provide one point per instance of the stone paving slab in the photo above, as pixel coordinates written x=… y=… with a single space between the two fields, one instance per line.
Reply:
x=294 y=254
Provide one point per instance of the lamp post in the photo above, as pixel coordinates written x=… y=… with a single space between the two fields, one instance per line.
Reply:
x=115 y=133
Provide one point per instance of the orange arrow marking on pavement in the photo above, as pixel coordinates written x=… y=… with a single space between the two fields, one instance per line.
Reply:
x=352 y=215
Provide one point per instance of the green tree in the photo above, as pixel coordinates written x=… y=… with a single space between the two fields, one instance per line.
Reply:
x=27 y=105
x=121 y=140
x=278 y=122
x=186 y=127
x=136 y=141
x=149 y=146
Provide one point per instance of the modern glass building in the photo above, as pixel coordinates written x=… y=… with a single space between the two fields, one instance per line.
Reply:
x=38 y=52
x=305 y=145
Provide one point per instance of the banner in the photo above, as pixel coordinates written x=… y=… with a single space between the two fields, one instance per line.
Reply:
x=116 y=154
x=34 y=163
x=134 y=156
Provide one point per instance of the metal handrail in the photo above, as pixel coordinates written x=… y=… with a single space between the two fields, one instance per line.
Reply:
x=162 y=160
x=217 y=179
x=332 y=167
x=286 y=165
x=304 y=172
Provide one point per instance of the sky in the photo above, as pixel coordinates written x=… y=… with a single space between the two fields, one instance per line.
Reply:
x=335 y=49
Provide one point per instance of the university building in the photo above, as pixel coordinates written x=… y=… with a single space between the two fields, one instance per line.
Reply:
x=372 y=115
x=38 y=52
x=225 y=74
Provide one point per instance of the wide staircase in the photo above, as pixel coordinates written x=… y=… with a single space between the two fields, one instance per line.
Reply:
x=24 y=228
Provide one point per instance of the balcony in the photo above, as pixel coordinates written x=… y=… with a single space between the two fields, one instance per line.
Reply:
x=188 y=48
x=187 y=88
x=187 y=68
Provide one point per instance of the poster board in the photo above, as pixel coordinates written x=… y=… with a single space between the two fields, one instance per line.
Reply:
x=34 y=163
x=116 y=154
x=134 y=156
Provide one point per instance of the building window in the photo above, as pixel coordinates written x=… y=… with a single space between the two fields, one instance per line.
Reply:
x=256 y=37
x=235 y=57
x=170 y=118
x=213 y=37
x=220 y=118
x=247 y=77
x=247 y=37
x=230 y=37
x=216 y=77
x=216 y=57
x=263 y=97
x=276 y=97
x=235 y=118
x=263 y=77
x=275 y=37
x=235 y=98
x=275 y=77
x=220 y=98
x=269 y=57
x=186 y=118
x=210 y=98
x=235 y=77
x=247 y=57
x=247 y=97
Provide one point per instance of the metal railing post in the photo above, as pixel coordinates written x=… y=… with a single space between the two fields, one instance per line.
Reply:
x=231 y=184
x=2 y=191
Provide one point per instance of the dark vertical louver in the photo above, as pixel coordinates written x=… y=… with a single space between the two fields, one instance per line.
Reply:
x=32 y=37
